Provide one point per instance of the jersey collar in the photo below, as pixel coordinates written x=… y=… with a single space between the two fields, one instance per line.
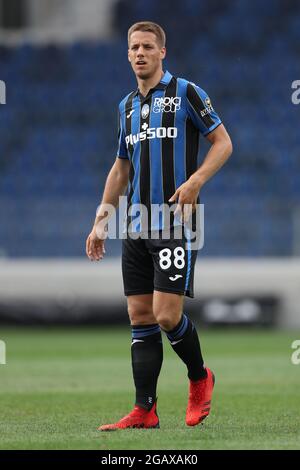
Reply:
x=161 y=85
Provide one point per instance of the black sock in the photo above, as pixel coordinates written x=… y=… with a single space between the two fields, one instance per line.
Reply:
x=185 y=342
x=146 y=357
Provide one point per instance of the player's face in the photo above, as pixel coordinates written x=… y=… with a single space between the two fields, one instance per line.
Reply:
x=145 y=54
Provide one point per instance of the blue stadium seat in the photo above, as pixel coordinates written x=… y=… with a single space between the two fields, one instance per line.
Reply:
x=58 y=134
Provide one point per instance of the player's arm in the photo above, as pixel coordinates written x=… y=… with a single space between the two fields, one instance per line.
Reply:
x=115 y=186
x=204 y=118
x=219 y=152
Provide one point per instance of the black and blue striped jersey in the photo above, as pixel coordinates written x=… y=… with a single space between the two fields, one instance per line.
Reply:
x=159 y=134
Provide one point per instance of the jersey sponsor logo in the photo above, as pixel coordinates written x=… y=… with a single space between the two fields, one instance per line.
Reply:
x=145 y=111
x=151 y=133
x=208 y=108
x=169 y=104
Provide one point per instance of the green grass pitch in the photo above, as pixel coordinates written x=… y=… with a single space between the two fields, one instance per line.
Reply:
x=60 y=384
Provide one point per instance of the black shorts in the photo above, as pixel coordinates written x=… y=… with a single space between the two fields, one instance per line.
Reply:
x=165 y=265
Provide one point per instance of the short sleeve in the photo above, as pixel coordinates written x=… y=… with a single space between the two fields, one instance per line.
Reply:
x=200 y=109
x=122 y=149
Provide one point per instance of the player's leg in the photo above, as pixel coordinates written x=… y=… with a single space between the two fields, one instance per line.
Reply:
x=183 y=337
x=174 y=262
x=146 y=349
x=146 y=345
x=181 y=332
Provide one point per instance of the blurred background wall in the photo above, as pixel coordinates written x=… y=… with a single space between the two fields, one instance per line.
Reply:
x=65 y=67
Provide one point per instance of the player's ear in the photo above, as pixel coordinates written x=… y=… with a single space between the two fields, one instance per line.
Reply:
x=129 y=56
x=163 y=53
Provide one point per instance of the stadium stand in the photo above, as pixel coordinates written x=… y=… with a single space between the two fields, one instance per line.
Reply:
x=58 y=130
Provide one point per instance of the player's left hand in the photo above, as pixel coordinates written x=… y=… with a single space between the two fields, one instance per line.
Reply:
x=186 y=196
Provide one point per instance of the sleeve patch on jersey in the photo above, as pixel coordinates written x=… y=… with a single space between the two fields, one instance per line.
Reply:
x=203 y=109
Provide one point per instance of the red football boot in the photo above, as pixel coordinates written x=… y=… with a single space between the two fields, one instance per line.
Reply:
x=138 y=418
x=199 y=403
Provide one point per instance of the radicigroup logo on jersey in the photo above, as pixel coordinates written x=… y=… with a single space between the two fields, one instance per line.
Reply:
x=169 y=104
x=2 y=92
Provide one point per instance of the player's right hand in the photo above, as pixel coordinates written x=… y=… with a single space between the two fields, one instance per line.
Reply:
x=95 y=245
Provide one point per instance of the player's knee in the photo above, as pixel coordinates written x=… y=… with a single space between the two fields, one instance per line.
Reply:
x=140 y=316
x=166 y=320
x=142 y=320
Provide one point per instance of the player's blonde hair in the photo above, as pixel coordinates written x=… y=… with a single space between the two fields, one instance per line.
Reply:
x=149 y=27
